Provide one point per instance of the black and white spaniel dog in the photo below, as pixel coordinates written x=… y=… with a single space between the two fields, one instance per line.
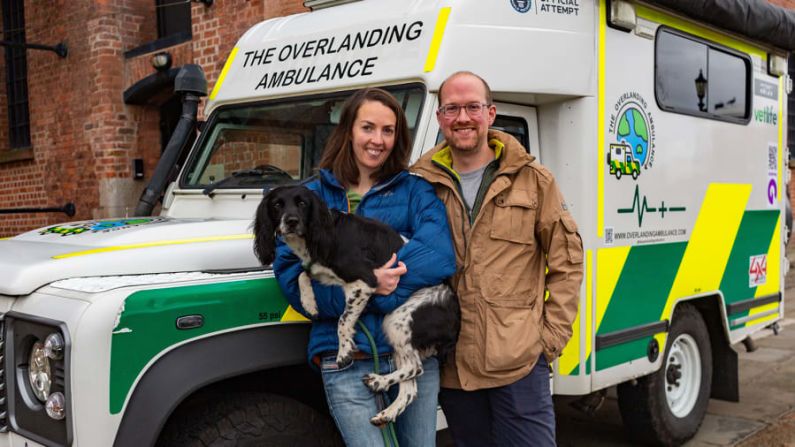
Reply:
x=343 y=249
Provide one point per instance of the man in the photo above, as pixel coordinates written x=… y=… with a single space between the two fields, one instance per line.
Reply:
x=509 y=224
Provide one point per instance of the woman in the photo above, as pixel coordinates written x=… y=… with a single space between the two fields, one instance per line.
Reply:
x=363 y=171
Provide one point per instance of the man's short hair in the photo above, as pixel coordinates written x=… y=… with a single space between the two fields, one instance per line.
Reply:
x=468 y=73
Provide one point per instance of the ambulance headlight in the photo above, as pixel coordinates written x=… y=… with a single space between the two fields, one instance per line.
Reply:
x=53 y=346
x=39 y=372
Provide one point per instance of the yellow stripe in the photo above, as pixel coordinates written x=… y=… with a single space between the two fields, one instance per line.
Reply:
x=436 y=41
x=222 y=76
x=609 y=264
x=708 y=250
x=780 y=135
x=600 y=124
x=773 y=281
x=765 y=318
x=570 y=357
x=705 y=33
x=5 y=238
x=290 y=314
x=154 y=244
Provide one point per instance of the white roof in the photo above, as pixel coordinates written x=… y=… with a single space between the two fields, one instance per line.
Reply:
x=378 y=42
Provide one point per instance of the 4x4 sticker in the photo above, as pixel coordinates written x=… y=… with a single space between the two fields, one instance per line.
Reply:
x=632 y=131
x=757 y=270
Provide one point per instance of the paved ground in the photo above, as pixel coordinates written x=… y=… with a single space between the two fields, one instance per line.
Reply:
x=765 y=415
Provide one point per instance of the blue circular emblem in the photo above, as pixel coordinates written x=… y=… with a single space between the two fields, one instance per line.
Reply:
x=521 y=5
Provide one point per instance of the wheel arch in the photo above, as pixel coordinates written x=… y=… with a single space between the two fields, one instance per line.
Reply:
x=165 y=385
x=725 y=363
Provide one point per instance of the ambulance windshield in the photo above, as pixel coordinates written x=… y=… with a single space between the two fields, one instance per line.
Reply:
x=260 y=145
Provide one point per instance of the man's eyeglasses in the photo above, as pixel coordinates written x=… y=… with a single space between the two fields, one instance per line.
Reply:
x=452 y=110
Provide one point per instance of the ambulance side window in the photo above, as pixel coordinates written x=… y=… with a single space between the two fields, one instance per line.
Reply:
x=515 y=126
x=697 y=77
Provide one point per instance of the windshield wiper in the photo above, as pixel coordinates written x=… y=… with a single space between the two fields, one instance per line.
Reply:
x=208 y=191
x=260 y=171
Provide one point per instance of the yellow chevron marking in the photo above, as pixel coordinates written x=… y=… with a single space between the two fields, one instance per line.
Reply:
x=291 y=315
x=711 y=241
x=766 y=318
x=570 y=357
x=436 y=40
x=609 y=264
x=773 y=281
x=222 y=76
x=600 y=123
x=154 y=244
x=688 y=27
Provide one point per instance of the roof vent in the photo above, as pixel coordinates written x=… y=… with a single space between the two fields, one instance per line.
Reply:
x=320 y=4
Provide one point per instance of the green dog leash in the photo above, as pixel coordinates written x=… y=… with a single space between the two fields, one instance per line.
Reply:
x=388 y=432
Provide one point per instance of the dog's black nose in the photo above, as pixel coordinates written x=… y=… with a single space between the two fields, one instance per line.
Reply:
x=291 y=221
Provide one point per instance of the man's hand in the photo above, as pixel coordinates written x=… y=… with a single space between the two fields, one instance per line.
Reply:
x=388 y=277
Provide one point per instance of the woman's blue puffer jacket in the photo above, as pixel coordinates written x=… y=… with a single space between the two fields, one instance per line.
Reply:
x=409 y=205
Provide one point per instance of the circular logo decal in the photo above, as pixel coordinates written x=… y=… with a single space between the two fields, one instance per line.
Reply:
x=521 y=5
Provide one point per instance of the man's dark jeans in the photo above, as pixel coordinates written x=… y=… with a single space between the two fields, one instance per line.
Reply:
x=519 y=414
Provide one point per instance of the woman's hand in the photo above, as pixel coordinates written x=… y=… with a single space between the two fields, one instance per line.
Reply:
x=388 y=277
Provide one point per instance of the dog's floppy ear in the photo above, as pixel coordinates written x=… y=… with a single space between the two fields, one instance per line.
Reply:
x=319 y=226
x=265 y=231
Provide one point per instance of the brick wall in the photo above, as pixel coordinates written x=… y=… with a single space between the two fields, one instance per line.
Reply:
x=83 y=137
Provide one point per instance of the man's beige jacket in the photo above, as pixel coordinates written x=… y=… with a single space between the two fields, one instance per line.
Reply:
x=522 y=228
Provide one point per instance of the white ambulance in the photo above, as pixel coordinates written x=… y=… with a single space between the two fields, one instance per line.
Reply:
x=165 y=330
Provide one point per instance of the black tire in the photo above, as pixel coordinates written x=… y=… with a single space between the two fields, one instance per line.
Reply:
x=618 y=174
x=648 y=413
x=251 y=419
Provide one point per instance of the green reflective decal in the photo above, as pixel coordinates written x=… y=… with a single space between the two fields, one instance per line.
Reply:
x=147 y=325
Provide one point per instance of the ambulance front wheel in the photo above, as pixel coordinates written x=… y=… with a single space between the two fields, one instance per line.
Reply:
x=255 y=419
x=668 y=406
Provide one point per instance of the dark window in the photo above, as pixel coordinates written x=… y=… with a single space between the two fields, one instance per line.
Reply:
x=514 y=125
x=173 y=18
x=698 y=78
x=16 y=74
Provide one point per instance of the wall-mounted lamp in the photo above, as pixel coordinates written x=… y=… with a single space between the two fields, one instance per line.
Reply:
x=162 y=61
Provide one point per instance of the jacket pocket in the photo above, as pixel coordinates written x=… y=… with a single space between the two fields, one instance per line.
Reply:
x=511 y=334
x=514 y=217
x=573 y=240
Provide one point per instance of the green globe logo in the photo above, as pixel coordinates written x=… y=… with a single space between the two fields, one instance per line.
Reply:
x=632 y=130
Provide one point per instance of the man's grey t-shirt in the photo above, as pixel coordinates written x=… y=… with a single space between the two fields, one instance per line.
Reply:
x=470 y=184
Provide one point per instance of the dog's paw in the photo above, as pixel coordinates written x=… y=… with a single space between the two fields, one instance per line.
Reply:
x=313 y=313
x=310 y=306
x=344 y=356
x=375 y=382
x=382 y=418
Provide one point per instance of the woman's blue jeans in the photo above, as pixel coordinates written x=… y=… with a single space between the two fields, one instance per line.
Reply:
x=352 y=404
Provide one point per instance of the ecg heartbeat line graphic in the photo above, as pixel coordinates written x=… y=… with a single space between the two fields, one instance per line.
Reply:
x=642 y=207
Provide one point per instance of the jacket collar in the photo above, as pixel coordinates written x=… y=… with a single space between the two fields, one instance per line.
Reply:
x=327 y=177
x=444 y=156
